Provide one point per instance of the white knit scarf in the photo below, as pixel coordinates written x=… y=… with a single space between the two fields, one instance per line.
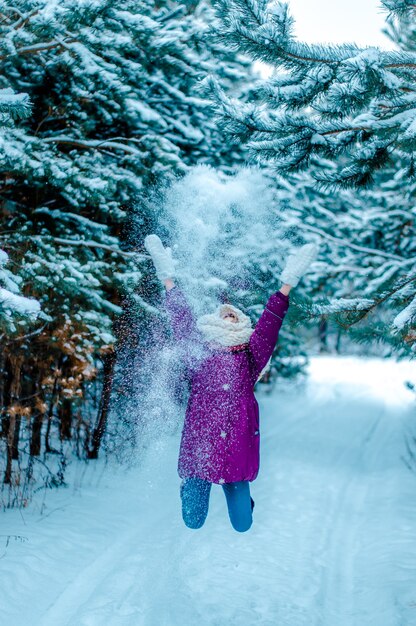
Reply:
x=215 y=329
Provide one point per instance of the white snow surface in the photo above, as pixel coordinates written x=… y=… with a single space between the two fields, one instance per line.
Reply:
x=333 y=541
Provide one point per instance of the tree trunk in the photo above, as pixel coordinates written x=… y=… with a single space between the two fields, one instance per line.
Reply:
x=65 y=418
x=37 y=415
x=10 y=439
x=35 y=437
x=338 y=342
x=16 y=437
x=7 y=387
x=15 y=370
x=2 y=379
x=48 y=447
x=108 y=375
x=323 y=334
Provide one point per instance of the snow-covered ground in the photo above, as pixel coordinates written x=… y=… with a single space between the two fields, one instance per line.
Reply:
x=333 y=542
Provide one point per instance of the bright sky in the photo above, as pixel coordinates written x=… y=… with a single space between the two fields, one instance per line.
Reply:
x=337 y=21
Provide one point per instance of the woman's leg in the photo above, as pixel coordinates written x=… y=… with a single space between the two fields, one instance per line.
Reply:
x=195 y=499
x=240 y=505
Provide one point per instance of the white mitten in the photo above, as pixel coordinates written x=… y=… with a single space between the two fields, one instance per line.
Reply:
x=298 y=263
x=161 y=257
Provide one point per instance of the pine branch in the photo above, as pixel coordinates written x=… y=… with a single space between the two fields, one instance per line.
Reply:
x=93 y=144
x=36 y=49
x=95 y=244
x=17 y=105
x=399 y=8
x=378 y=301
x=24 y=19
x=353 y=246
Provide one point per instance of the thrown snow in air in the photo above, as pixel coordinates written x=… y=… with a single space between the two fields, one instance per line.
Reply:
x=216 y=224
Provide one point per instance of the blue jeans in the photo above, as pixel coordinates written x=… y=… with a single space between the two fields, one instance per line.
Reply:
x=195 y=494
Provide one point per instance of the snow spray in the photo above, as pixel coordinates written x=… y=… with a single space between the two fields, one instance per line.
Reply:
x=218 y=225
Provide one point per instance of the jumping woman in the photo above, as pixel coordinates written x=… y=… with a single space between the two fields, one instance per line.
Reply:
x=224 y=357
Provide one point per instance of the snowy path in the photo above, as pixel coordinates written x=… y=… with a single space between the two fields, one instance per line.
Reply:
x=333 y=543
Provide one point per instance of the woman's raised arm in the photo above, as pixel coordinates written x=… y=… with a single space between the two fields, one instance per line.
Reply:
x=265 y=335
x=179 y=311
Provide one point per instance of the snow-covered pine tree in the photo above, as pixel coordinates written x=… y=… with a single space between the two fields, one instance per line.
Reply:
x=366 y=245
x=321 y=100
x=345 y=116
x=115 y=110
x=16 y=311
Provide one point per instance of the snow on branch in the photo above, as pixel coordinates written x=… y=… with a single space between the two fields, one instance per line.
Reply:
x=95 y=244
x=406 y=316
x=14 y=304
x=342 y=305
x=353 y=246
x=91 y=144
x=14 y=104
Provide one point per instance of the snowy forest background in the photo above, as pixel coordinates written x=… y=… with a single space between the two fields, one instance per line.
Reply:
x=119 y=119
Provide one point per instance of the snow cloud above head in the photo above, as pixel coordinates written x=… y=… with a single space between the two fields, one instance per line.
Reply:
x=217 y=224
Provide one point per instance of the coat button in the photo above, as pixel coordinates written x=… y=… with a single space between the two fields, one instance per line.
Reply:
x=223 y=434
x=226 y=387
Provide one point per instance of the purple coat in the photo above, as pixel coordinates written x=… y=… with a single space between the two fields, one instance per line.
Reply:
x=220 y=437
